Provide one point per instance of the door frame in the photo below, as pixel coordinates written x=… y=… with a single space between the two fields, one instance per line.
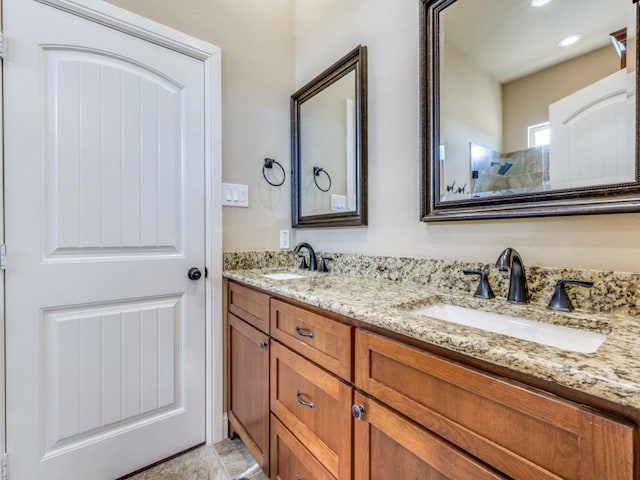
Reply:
x=127 y=22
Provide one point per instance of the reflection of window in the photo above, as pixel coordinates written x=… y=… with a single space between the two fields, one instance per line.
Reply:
x=539 y=135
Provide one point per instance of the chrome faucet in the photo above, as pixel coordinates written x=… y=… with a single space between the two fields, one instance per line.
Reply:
x=518 y=291
x=312 y=255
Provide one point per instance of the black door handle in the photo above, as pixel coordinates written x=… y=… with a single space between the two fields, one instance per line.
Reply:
x=194 y=273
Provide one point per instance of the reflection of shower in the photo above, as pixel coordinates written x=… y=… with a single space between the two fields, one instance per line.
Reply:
x=504 y=167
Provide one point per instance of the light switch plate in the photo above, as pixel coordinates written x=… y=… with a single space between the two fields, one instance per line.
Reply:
x=234 y=195
x=284 y=238
x=338 y=203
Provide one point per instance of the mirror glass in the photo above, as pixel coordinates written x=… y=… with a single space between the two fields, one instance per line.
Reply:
x=329 y=148
x=530 y=107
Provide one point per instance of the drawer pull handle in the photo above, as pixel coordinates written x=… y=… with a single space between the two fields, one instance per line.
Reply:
x=263 y=345
x=302 y=401
x=303 y=333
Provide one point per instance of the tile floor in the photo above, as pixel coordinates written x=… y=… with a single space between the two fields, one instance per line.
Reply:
x=227 y=460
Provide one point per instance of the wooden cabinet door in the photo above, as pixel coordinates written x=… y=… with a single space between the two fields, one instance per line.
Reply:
x=523 y=432
x=249 y=387
x=388 y=446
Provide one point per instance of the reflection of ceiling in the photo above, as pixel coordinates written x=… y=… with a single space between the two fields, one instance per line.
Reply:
x=509 y=39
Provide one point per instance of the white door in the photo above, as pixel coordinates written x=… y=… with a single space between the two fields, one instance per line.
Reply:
x=592 y=131
x=104 y=141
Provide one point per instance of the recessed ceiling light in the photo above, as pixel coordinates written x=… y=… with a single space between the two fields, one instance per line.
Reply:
x=539 y=3
x=570 y=40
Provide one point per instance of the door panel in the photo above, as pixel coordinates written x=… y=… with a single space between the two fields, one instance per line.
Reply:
x=113 y=183
x=105 y=152
x=108 y=365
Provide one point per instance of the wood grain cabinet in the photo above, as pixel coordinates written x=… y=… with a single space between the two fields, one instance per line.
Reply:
x=315 y=406
x=290 y=460
x=316 y=398
x=320 y=339
x=248 y=370
x=389 y=446
x=522 y=432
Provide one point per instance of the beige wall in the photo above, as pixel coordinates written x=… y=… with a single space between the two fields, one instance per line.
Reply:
x=256 y=38
x=329 y=28
x=471 y=101
x=526 y=101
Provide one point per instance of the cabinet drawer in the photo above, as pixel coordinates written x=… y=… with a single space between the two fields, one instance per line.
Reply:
x=324 y=341
x=389 y=446
x=290 y=459
x=315 y=406
x=522 y=432
x=250 y=305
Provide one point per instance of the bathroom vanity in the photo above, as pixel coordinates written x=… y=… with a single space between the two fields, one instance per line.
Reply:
x=359 y=386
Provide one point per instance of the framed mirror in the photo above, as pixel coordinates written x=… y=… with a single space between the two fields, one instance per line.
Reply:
x=529 y=108
x=329 y=146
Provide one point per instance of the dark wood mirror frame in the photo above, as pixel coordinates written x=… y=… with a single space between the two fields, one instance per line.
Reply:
x=618 y=198
x=356 y=60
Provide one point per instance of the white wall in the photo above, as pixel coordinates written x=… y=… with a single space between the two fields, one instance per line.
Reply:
x=327 y=29
x=256 y=38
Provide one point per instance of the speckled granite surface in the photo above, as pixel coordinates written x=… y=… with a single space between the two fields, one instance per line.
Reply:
x=612 y=292
x=386 y=292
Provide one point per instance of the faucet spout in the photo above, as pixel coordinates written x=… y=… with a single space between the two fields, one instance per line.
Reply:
x=312 y=254
x=510 y=259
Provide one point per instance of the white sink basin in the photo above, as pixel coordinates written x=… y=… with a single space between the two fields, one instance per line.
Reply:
x=558 y=336
x=283 y=276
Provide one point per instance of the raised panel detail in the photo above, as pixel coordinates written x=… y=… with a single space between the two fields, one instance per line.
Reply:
x=115 y=141
x=108 y=367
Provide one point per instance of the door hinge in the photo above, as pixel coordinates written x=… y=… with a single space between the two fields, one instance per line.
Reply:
x=5 y=466
x=1 y=45
x=3 y=256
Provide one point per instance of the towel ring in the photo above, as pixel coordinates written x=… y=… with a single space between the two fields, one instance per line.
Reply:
x=268 y=163
x=316 y=173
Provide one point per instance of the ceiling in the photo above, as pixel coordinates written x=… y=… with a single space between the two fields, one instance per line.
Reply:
x=509 y=39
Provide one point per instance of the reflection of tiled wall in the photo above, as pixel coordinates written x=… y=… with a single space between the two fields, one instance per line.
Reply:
x=529 y=171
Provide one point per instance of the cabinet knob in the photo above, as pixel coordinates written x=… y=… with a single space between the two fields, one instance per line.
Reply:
x=263 y=344
x=357 y=411
x=298 y=477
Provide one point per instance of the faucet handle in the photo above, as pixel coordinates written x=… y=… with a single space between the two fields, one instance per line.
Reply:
x=560 y=300
x=484 y=289
x=323 y=263
x=302 y=261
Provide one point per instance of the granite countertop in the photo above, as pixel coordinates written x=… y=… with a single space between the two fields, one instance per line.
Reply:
x=611 y=373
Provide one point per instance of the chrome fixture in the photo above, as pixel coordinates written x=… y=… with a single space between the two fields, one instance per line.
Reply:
x=560 y=300
x=518 y=291
x=312 y=256
x=484 y=289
